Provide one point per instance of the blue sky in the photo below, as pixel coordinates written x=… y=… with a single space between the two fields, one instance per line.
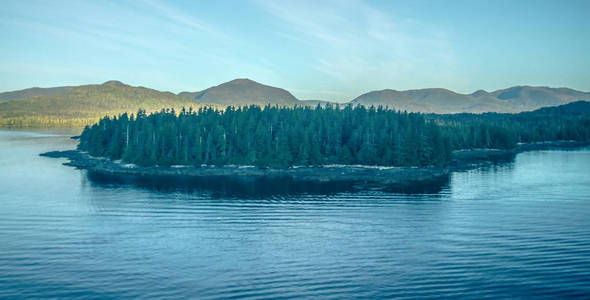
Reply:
x=333 y=50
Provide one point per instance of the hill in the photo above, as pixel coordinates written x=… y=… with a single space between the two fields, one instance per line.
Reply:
x=578 y=108
x=244 y=92
x=392 y=99
x=33 y=92
x=86 y=104
x=511 y=100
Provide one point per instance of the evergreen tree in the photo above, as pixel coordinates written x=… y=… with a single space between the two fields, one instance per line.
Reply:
x=282 y=137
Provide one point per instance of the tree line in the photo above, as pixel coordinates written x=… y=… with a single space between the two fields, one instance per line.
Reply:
x=281 y=137
x=503 y=130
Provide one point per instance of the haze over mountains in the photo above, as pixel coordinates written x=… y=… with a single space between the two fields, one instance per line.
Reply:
x=510 y=100
x=93 y=101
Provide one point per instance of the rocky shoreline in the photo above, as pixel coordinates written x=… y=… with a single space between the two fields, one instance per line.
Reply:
x=385 y=177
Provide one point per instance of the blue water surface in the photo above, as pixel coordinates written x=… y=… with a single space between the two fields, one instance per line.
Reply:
x=518 y=229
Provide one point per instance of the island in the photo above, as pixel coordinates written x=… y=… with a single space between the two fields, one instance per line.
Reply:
x=377 y=146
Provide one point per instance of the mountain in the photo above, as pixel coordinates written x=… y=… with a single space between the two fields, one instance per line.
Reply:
x=85 y=104
x=511 y=100
x=81 y=105
x=114 y=83
x=525 y=97
x=392 y=99
x=433 y=100
x=243 y=92
x=33 y=92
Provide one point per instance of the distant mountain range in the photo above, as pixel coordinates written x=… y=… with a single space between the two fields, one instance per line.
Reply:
x=92 y=101
x=510 y=100
x=434 y=100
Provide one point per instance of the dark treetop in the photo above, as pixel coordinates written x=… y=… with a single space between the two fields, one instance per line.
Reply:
x=282 y=137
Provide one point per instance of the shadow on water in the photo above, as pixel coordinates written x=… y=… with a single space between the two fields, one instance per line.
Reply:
x=259 y=187
x=435 y=186
x=236 y=187
x=439 y=184
x=224 y=186
x=465 y=159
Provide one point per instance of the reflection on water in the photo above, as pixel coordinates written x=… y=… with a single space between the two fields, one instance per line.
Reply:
x=434 y=186
x=224 y=186
x=517 y=229
x=281 y=186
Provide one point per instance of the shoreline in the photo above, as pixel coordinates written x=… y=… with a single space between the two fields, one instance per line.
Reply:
x=381 y=176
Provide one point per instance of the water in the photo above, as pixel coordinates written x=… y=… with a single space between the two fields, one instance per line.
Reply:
x=518 y=229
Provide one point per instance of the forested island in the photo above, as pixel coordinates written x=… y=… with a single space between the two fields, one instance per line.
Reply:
x=331 y=143
x=302 y=136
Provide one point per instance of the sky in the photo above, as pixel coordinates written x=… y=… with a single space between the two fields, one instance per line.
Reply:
x=329 y=50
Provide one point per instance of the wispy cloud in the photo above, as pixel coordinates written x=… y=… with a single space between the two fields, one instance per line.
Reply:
x=149 y=34
x=354 y=42
x=184 y=20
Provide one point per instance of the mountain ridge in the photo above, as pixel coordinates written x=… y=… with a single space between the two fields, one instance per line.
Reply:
x=439 y=100
x=244 y=91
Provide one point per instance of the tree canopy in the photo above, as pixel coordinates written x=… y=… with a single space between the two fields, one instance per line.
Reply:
x=281 y=137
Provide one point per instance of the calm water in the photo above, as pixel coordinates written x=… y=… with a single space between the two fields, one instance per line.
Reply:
x=518 y=229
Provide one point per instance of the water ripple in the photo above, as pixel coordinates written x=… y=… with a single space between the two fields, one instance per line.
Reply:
x=509 y=231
